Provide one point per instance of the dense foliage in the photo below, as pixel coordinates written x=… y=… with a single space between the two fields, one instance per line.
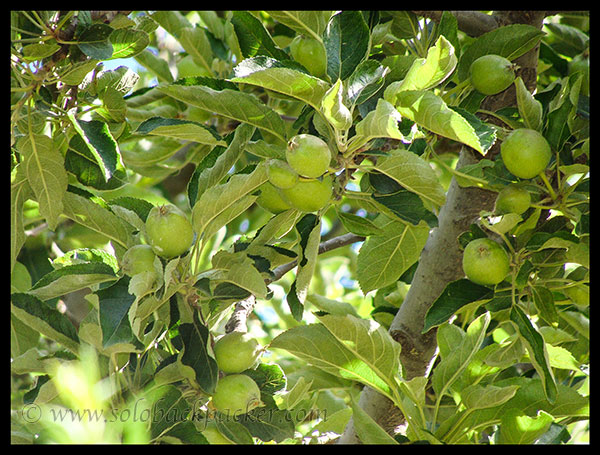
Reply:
x=170 y=185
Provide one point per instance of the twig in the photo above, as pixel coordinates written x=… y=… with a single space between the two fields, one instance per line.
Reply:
x=328 y=245
x=243 y=308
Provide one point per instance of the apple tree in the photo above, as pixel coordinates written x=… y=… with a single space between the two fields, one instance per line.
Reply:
x=299 y=227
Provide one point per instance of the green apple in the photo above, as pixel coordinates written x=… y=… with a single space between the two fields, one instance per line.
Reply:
x=308 y=155
x=236 y=352
x=236 y=394
x=169 y=231
x=513 y=199
x=310 y=53
x=213 y=435
x=281 y=174
x=271 y=199
x=525 y=153
x=485 y=262
x=310 y=195
x=138 y=259
x=491 y=74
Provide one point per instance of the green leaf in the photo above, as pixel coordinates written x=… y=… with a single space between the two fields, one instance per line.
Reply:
x=510 y=41
x=369 y=342
x=220 y=198
x=357 y=224
x=405 y=24
x=413 y=173
x=455 y=295
x=562 y=110
x=537 y=351
x=407 y=206
x=45 y=170
x=485 y=132
x=20 y=191
x=281 y=77
x=127 y=42
x=333 y=307
x=308 y=23
x=316 y=345
x=346 y=41
x=487 y=396
x=380 y=122
x=529 y=399
x=453 y=364
x=544 y=303
x=430 y=112
x=530 y=109
x=269 y=423
x=33 y=52
x=253 y=38
x=75 y=73
x=72 y=278
x=94 y=41
x=240 y=106
x=114 y=304
x=384 y=258
x=518 y=428
x=206 y=177
x=196 y=44
x=365 y=81
x=48 y=321
x=309 y=228
x=433 y=70
x=185 y=130
x=448 y=27
x=239 y=269
x=94 y=156
x=195 y=355
x=84 y=210
x=155 y=65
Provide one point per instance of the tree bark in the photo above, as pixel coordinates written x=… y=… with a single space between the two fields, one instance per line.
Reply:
x=441 y=259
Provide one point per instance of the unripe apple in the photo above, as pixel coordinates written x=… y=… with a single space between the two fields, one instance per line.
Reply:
x=308 y=155
x=485 y=262
x=310 y=53
x=169 y=231
x=513 y=199
x=236 y=352
x=310 y=195
x=491 y=74
x=138 y=259
x=236 y=394
x=281 y=174
x=525 y=153
x=213 y=435
x=270 y=199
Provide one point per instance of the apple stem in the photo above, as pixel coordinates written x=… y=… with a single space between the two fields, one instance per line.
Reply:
x=548 y=186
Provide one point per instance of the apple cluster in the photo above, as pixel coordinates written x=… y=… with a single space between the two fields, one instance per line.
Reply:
x=236 y=393
x=301 y=181
x=169 y=233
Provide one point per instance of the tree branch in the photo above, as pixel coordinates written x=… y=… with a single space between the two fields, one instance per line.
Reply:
x=441 y=258
x=473 y=23
x=328 y=245
x=243 y=308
